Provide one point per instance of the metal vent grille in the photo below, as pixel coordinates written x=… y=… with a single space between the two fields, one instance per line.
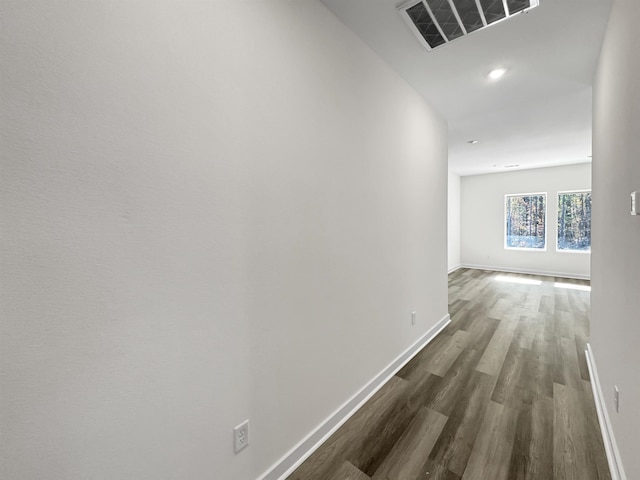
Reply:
x=438 y=22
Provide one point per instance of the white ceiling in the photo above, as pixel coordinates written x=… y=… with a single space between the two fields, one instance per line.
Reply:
x=538 y=114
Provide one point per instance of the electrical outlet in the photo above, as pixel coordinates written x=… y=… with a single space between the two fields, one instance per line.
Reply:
x=616 y=398
x=413 y=318
x=241 y=436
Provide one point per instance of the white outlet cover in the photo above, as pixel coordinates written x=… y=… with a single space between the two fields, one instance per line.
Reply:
x=241 y=436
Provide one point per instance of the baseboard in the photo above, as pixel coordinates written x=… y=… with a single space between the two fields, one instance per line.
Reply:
x=451 y=270
x=610 y=446
x=298 y=454
x=527 y=271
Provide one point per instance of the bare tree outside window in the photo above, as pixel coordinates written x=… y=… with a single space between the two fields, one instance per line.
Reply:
x=525 y=218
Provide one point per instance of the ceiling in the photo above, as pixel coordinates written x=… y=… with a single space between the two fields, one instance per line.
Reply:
x=538 y=114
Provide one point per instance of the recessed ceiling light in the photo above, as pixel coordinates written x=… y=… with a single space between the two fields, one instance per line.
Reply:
x=512 y=166
x=472 y=142
x=496 y=73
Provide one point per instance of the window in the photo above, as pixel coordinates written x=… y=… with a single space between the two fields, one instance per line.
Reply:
x=574 y=221
x=525 y=221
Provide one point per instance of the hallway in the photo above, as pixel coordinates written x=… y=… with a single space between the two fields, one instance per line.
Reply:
x=503 y=393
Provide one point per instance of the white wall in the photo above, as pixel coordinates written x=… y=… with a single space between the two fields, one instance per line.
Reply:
x=482 y=220
x=211 y=211
x=615 y=298
x=453 y=221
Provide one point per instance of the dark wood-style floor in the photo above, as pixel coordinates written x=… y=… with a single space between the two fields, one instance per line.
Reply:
x=503 y=393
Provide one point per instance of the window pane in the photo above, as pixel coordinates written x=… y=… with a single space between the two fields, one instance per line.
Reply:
x=574 y=221
x=525 y=221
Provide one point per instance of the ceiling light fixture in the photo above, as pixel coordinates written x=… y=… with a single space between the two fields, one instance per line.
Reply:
x=497 y=73
x=472 y=142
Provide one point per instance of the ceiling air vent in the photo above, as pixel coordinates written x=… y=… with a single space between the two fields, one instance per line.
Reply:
x=438 y=22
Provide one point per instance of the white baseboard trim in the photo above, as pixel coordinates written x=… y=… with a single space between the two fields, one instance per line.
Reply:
x=526 y=271
x=451 y=270
x=299 y=453
x=610 y=446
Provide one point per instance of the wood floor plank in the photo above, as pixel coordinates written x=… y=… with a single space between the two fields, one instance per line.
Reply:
x=466 y=315
x=581 y=323
x=409 y=455
x=565 y=323
x=425 y=356
x=447 y=391
x=388 y=429
x=503 y=398
x=596 y=452
x=526 y=330
x=567 y=370
x=513 y=375
x=491 y=454
x=547 y=304
x=348 y=439
x=561 y=302
x=493 y=357
x=456 y=306
x=541 y=364
x=502 y=307
x=532 y=452
x=537 y=449
x=541 y=445
x=581 y=346
x=482 y=330
x=453 y=448
x=532 y=304
x=570 y=444
x=440 y=363
x=348 y=472
x=435 y=471
x=578 y=301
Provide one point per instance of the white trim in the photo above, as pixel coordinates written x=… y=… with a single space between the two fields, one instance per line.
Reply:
x=457 y=267
x=299 y=453
x=610 y=446
x=525 y=249
x=579 y=252
x=526 y=271
x=579 y=190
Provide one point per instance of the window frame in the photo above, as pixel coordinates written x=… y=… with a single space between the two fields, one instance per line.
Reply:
x=564 y=192
x=546 y=222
